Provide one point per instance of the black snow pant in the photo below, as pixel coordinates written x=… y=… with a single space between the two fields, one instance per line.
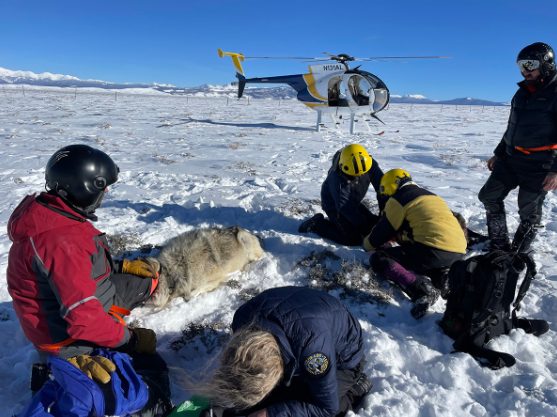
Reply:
x=131 y=291
x=415 y=257
x=349 y=393
x=510 y=172
x=340 y=230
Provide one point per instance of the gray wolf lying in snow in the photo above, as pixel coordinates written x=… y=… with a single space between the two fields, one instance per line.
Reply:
x=198 y=261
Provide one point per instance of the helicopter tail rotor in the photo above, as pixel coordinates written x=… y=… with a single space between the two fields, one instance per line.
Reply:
x=236 y=58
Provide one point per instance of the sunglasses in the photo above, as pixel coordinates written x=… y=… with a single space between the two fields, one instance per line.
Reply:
x=528 y=65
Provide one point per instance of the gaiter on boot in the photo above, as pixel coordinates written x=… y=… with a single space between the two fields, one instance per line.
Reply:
x=498 y=233
x=524 y=236
x=396 y=273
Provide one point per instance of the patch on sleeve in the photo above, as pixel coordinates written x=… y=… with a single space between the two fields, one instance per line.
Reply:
x=317 y=364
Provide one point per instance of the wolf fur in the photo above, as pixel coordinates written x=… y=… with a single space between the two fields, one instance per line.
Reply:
x=198 y=261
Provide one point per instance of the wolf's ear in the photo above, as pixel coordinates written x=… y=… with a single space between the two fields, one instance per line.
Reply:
x=244 y=237
x=154 y=264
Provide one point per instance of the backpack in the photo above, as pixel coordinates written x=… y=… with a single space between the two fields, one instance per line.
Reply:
x=71 y=393
x=478 y=308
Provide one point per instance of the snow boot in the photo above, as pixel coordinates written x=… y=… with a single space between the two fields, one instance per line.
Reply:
x=498 y=233
x=534 y=327
x=308 y=225
x=524 y=236
x=423 y=294
x=443 y=285
x=440 y=280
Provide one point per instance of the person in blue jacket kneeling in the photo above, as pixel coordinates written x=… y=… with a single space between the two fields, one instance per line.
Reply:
x=294 y=352
x=349 y=221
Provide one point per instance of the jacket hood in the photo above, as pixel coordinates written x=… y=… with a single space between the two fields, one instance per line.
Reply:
x=36 y=215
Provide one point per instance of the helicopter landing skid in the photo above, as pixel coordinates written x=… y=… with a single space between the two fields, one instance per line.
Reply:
x=319 y=124
x=352 y=121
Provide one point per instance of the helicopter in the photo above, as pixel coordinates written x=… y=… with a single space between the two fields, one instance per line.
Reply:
x=331 y=88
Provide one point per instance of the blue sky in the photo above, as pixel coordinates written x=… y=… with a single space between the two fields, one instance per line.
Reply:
x=176 y=41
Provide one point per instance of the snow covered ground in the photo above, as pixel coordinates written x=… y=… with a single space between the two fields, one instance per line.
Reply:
x=191 y=164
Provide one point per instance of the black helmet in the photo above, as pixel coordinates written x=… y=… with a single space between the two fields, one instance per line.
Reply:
x=80 y=174
x=541 y=52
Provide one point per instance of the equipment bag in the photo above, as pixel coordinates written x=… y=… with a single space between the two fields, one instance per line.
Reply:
x=71 y=393
x=479 y=304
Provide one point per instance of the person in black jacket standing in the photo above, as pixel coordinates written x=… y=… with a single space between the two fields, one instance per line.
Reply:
x=342 y=192
x=526 y=156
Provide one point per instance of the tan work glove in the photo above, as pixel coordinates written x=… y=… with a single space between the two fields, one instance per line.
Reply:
x=145 y=341
x=96 y=367
x=139 y=268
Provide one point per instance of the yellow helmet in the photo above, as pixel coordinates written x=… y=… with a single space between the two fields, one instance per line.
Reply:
x=354 y=160
x=391 y=181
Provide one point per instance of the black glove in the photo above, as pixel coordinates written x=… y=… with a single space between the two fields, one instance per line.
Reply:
x=362 y=386
x=141 y=341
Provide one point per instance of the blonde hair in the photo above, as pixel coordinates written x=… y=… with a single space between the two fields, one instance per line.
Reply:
x=251 y=366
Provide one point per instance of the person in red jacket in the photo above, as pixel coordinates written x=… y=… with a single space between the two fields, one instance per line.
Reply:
x=68 y=293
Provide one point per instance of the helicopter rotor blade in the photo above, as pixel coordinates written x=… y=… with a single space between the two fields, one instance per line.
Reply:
x=382 y=60
x=403 y=57
x=279 y=57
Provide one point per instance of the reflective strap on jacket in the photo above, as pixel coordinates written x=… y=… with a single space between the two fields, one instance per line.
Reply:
x=116 y=311
x=541 y=148
x=54 y=346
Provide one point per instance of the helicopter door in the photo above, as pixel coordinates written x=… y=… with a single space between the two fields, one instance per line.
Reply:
x=358 y=90
x=336 y=95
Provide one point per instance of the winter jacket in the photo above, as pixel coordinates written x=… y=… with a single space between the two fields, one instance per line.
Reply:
x=532 y=124
x=58 y=276
x=344 y=193
x=311 y=328
x=422 y=217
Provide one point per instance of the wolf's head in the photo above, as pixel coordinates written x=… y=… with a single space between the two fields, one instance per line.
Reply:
x=252 y=244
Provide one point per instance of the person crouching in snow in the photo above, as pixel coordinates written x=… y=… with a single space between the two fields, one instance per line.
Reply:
x=342 y=192
x=294 y=351
x=433 y=240
x=67 y=291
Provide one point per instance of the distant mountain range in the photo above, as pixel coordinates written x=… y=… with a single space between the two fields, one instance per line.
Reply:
x=274 y=93
x=57 y=80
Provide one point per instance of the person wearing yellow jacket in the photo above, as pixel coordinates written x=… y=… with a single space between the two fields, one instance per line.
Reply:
x=431 y=235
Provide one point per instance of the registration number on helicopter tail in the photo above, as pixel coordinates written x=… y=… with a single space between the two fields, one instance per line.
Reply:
x=326 y=68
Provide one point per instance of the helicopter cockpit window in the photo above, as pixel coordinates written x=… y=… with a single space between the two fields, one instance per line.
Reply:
x=381 y=99
x=359 y=89
x=380 y=93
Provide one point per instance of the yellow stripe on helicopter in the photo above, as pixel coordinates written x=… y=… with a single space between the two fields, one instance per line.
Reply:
x=310 y=81
x=236 y=58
